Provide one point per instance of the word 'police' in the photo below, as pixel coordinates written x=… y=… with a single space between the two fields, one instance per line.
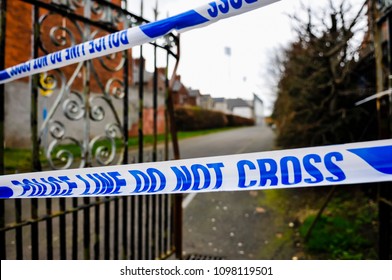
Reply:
x=103 y=183
x=108 y=42
x=225 y=6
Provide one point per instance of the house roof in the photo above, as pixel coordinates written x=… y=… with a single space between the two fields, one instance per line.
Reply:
x=257 y=98
x=238 y=102
x=177 y=85
x=194 y=92
x=219 y=100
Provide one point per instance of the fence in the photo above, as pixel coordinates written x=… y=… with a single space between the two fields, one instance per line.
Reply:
x=84 y=123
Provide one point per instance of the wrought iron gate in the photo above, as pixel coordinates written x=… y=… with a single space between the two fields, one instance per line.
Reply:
x=85 y=122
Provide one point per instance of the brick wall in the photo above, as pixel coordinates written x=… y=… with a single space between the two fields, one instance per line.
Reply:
x=19 y=36
x=18 y=33
x=148 y=128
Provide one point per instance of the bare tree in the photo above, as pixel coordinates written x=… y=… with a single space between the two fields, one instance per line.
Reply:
x=318 y=79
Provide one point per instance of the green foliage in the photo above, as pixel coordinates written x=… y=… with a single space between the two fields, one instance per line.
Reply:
x=194 y=118
x=195 y=133
x=319 y=83
x=337 y=237
x=19 y=160
x=235 y=121
x=346 y=230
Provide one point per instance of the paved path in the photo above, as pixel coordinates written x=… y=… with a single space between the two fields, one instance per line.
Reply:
x=232 y=225
x=236 y=141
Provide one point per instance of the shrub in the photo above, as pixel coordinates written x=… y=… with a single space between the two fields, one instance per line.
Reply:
x=195 y=118
x=239 y=121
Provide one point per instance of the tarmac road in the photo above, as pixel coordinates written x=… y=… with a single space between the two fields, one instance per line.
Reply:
x=236 y=141
x=232 y=225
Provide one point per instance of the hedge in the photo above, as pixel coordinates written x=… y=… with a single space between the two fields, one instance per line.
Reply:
x=195 y=118
x=234 y=121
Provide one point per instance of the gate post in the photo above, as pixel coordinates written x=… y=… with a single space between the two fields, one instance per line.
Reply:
x=383 y=117
x=177 y=204
x=3 y=11
x=36 y=164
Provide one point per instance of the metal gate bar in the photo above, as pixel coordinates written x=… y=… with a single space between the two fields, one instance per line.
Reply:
x=86 y=207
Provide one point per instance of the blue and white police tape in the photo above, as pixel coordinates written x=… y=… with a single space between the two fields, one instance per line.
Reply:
x=308 y=167
x=119 y=41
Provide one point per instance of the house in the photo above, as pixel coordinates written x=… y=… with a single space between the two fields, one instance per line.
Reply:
x=240 y=107
x=250 y=109
x=206 y=101
x=180 y=92
x=148 y=100
x=17 y=94
x=194 y=97
x=258 y=110
x=148 y=77
x=182 y=96
x=220 y=104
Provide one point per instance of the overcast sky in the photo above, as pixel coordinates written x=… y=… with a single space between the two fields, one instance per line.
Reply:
x=252 y=37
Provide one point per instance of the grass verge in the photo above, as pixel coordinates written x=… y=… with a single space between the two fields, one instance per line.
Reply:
x=19 y=160
x=346 y=230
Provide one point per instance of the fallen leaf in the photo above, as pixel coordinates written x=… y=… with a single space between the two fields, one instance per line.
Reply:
x=260 y=210
x=253 y=193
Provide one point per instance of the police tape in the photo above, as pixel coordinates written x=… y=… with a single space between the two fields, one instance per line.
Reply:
x=375 y=96
x=122 y=40
x=363 y=162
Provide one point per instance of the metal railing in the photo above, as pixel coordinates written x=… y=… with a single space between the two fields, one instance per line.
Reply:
x=85 y=123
